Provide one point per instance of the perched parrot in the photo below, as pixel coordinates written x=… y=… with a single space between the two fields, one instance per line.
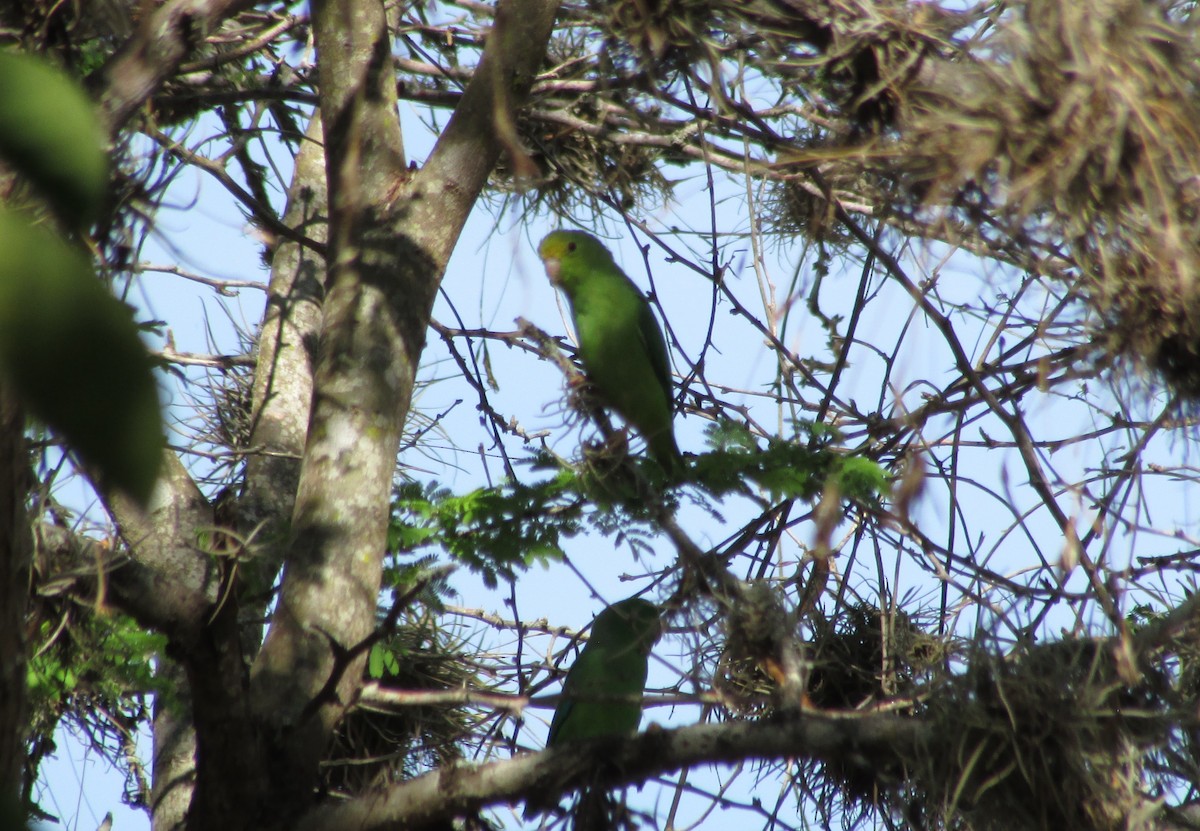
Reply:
x=620 y=344
x=602 y=695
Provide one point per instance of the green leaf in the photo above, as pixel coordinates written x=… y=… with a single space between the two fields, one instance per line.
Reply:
x=375 y=661
x=382 y=661
x=50 y=133
x=72 y=353
x=862 y=479
x=494 y=531
x=391 y=663
x=787 y=469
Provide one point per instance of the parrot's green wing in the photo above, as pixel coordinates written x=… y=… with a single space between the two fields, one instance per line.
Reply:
x=662 y=442
x=655 y=347
x=602 y=695
x=620 y=343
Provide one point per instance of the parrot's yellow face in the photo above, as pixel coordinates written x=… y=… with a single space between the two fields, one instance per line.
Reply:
x=552 y=251
x=569 y=254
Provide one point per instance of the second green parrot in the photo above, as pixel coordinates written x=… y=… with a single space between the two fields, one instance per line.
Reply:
x=620 y=344
x=602 y=695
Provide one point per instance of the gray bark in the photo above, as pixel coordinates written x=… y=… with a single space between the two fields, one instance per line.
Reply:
x=391 y=234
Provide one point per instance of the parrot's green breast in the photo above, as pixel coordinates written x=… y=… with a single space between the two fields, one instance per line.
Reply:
x=602 y=695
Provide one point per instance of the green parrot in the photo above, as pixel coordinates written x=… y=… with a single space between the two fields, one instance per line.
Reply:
x=602 y=695
x=620 y=344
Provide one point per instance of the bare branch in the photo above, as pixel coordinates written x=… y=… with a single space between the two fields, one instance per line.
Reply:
x=453 y=791
x=165 y=37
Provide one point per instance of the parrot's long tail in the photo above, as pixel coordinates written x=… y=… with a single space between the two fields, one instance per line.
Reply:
x=666 y=452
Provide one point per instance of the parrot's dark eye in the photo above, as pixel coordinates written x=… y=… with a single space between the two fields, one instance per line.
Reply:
x=570 y=246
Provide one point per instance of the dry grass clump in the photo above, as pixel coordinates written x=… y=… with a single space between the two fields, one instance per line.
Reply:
x=866 y=655
x=797 y=207
x=670 y=32
x=863 y=657
x=577 y=161
x=797 y=203
x=375 y=746
x=855 y=658
x=761 y=646
x=1050 y=738
x=1081 y=120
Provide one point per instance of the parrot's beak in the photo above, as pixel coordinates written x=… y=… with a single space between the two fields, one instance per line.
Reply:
x=552 y=269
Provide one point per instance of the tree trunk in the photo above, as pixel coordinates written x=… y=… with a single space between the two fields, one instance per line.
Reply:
x=15 y=557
